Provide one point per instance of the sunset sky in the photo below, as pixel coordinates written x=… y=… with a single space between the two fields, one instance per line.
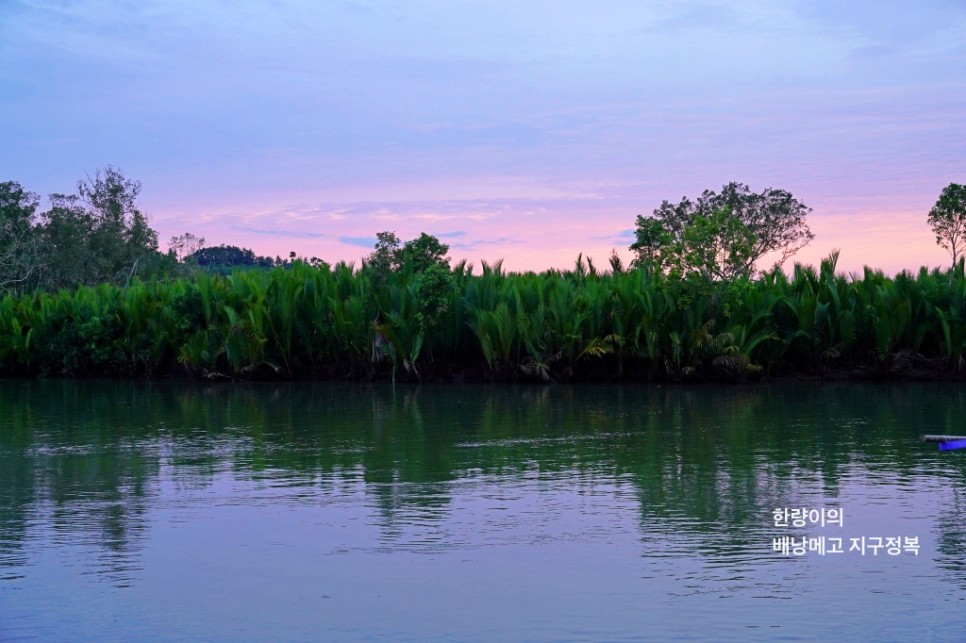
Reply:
x=530 y=131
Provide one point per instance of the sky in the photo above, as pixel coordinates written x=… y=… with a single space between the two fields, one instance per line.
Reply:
x=530 y=131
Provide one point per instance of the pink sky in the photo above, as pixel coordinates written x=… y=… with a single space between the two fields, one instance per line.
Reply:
x=525 y=131
x=535 y=232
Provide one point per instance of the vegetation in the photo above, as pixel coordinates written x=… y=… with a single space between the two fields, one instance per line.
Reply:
x=19 y=253
x=328 y=321
x=101 y=300
x=424 y=262
x=948 y=220
x=225 y=259
x=721 y=236
x=95 y=236
x=98 y=236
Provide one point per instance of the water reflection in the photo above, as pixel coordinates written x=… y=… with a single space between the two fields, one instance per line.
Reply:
x=86 y=469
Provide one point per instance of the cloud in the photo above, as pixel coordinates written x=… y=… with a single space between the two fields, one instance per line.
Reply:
x=472 y=245
x=623 y=238
x=362 y=242
x=294 y=234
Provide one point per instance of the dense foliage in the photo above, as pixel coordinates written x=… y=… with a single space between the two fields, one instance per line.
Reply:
x=329 y=321
x=84 y=291
x=225 y=259
x=97 y=235
x=721 y=235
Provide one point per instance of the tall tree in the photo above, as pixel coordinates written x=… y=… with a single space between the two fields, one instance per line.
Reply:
x=184 y=245
x=653 y=244
x=948 y=220
x=383 y=259
x=97 y=235
x=121 y=238
x=774 y=217
x=422 y=260
x=65 y=234
x=717 y=247
x=19 y=247
x=754 y=225
x=423 y=252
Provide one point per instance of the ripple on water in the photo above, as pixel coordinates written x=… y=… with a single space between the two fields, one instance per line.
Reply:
x=571 y=515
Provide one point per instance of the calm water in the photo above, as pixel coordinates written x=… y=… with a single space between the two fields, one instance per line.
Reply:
x=152 y=511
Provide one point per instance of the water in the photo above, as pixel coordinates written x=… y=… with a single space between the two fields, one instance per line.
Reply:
x=181 y=511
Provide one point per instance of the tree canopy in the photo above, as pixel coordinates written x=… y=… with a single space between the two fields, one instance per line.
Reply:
x=948 y=220
x=419 y=254
x=225 y=258
x=19 y=250
x=721 y=235
x=419 y=266
x=97 y=235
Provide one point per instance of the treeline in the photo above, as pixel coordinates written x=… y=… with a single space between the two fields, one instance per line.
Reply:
x=84 y=291
x=99 y=235
x=413 y=319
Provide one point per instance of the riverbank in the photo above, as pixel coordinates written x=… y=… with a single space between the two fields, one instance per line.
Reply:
x=325 y=322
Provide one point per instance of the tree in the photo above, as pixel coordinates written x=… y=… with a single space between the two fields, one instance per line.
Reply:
x=223 y=259
x=774 y=217
x=422 y=253
x=948 y=220
x=65 y=232
x=417 y=255
x=120 y=237
x=19 y=247
x=421 y=265
x=185 y=245
x=718 y=246
x=741 y=226
x=652 y=244
x=97 y=235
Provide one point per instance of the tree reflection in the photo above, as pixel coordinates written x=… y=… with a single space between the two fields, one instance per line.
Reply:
x=88 y=461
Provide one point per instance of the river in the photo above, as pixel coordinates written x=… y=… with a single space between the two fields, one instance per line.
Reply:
x=328 y=511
